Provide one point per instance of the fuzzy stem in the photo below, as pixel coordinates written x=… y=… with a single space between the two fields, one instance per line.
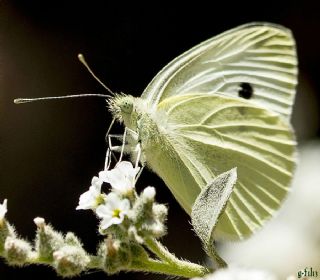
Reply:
x=183 y=268
x=171 y=262
x=160 y=251
x=37 y=260
x=168 y=263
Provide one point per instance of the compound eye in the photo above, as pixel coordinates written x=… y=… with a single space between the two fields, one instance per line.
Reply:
x=127 y=107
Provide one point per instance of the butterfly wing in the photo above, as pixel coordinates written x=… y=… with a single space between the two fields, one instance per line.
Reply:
x=223 y=133
x=208 y=129
x=262 y=55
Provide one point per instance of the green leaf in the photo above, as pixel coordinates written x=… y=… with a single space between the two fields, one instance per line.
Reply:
x=209 y=205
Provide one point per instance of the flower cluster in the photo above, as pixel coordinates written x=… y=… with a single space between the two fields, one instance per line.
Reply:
x=111 y=208
x=127 y=220
x=121 y=179
x=122 y=211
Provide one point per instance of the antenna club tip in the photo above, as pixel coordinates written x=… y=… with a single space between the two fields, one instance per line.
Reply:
x=17 y=101
x=81 y=57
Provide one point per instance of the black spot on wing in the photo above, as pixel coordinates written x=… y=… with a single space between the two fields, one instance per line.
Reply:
x=245 y=91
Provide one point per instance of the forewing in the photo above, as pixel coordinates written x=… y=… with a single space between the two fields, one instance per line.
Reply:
x=259 y=54
x=212 y=134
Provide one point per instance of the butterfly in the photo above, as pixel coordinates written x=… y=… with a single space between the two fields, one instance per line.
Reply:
x=224 y=103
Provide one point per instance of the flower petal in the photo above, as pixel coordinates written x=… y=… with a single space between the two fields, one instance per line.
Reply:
x=121 y=178
x=96 y=182
x=104 y=211
x=113 y=201
x=113 y=204
x=125 y=206
x=3 y=209
x=127 y=168
x=117 y=220
x=90 y=198
x=105 y=223
x=110 y=176
x=85 y=201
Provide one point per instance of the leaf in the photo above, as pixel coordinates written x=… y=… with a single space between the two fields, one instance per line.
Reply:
x=209 y=205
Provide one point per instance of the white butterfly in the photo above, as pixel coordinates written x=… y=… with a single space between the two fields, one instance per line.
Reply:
x=225 y=103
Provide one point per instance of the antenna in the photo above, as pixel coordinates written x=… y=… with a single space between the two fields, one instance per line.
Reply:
x=83 y=61
x=27 y=100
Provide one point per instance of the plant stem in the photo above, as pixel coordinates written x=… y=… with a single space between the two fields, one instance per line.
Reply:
x=169 y=263
x=34 y=259
x=183 y=268
x=160 y=251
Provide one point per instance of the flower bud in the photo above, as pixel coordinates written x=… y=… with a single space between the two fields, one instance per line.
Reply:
x=133 y=234
x=40 y=222
x=70 y=261
x=115 y=255
x=160 y=211
x=16 y=251
x=142 y=208
x=72 y=240
x=137 y=213
x=6 y=230
x=148 y=194
x=138 y=252
x=147 y=217
x=47 y=241
x=158 y=229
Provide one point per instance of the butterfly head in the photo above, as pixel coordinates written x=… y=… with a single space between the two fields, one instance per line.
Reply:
x=122 y=108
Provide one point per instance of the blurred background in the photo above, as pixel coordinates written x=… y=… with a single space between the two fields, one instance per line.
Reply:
x=49 y=151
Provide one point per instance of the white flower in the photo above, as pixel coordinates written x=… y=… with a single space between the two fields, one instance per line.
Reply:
x=121 y=178
x=93 y=197
x=113 y=211
x=3 y=209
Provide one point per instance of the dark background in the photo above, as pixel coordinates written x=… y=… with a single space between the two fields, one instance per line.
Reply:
x=51 y=150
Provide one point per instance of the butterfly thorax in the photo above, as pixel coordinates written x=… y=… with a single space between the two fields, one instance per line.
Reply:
x=136 y=115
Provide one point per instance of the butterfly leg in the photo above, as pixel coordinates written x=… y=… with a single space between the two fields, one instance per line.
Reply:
x=132 y=142
x=123 y=143
x=139 y=173
x=107 y=161
x=129 y=141
x=135 y=145
x=143 y=164
x=110 y=145
x=109 y=129
x=138 y=151
x=113 y=148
